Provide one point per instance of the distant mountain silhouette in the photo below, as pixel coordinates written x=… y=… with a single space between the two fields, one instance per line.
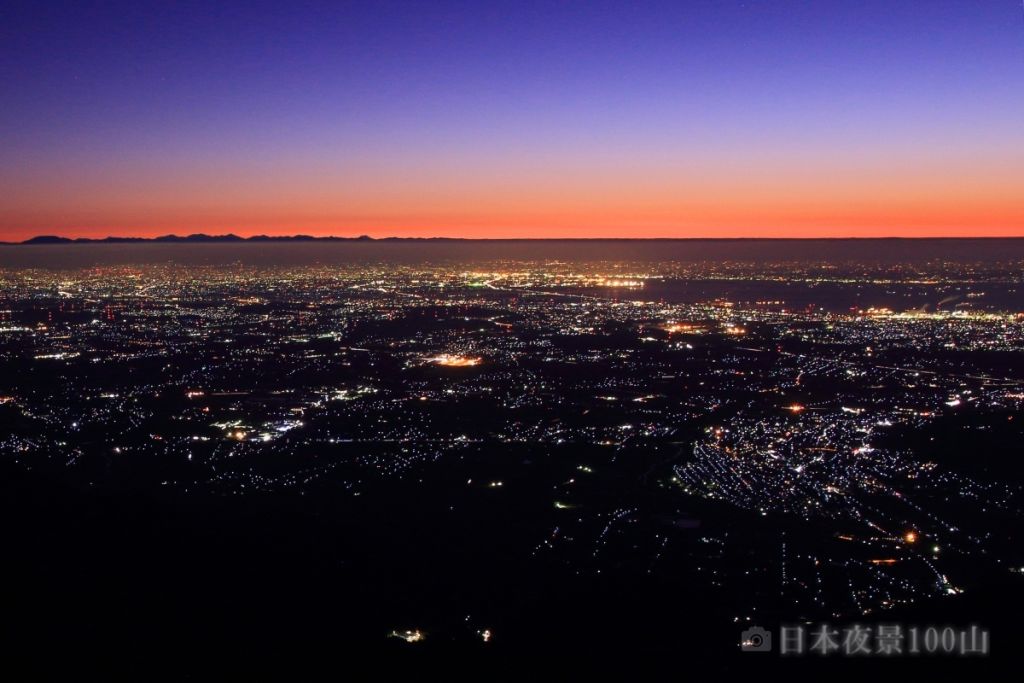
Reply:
x=48 y=239
x=200 y=238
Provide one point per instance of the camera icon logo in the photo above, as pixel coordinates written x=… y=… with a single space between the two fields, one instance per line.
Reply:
x=756 y=639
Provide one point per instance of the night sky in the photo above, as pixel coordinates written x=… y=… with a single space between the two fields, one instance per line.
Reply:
x=513 y=119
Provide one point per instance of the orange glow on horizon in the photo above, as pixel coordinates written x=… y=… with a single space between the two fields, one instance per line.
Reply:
x=782 y=202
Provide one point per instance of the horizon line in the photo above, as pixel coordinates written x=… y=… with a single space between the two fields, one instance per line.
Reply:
x=201 y=238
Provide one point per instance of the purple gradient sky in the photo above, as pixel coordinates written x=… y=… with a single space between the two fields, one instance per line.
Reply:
x=699 y=118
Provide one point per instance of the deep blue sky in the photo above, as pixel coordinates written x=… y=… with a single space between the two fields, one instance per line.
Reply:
x=498 y=117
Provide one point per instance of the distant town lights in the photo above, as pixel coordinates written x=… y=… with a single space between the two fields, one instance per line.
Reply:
x=452 y=360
